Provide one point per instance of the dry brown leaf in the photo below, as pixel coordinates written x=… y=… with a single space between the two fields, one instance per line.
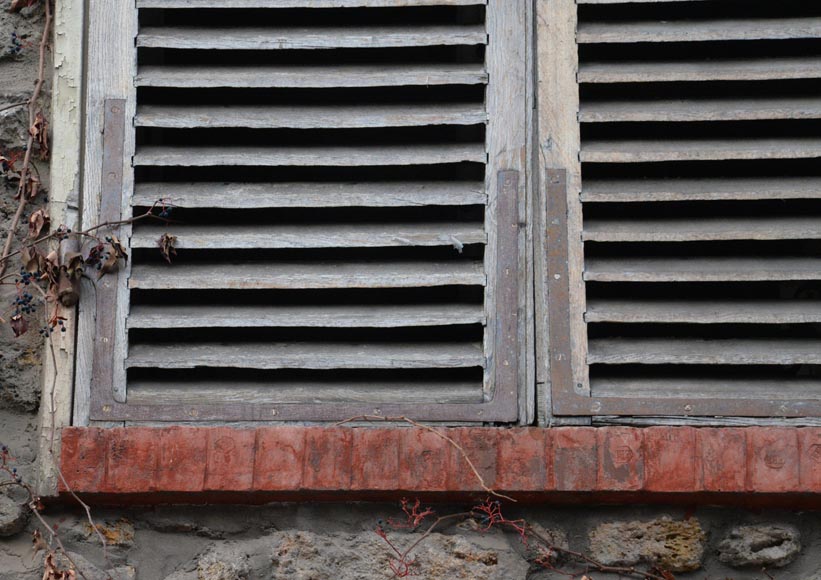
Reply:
x=166 y=243
x=19 y=325
x=38 y=221
x=39 y=130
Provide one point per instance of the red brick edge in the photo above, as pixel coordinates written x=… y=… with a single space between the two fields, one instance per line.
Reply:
x=200 y=463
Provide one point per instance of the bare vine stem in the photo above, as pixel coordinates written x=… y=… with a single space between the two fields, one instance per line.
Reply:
x=24 y=170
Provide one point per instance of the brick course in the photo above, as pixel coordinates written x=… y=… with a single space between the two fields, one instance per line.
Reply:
x=310 y=461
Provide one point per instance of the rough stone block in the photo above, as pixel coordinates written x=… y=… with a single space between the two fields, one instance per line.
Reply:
x=760 y=546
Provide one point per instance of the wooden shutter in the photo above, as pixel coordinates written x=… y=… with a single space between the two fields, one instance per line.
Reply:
x=348 y=182
x=693 y=202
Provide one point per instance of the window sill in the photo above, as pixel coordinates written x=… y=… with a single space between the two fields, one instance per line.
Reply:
x=208 y=464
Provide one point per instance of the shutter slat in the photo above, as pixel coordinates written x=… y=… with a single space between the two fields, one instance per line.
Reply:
x=701 y=110
x=311 y=77
x=713 y=70
x=303 y=3
x=310 y=156
x=699 y=229
x=309 y=38
x=316 y=355
x=702 y=189
x=713 y=269
x=699 y=150
x=272 y=195
x=710 y=312
x=630 y=1
x=298 y=316
x=312 y=236
x=295 y=275
x=162 y=393
x=685 y=351
x=696 y=31
x=311 y=117
x=707 y=388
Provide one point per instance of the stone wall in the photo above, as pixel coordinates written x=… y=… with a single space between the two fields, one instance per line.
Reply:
x=338 y=541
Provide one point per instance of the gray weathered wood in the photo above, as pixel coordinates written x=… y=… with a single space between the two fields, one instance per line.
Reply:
x=301 y=3
x=148 y=393
x=310 y=116
x=782 y=187
x=710 y=269
x=188 y=156
x=753 y=69
x=309 y=38
x=742 y=109
x=271 y=76
x=698 y=229
x=320 y=194
x=699 y=150
x=692 y=31
x=320 y=316
x=304 y=355
x=629 y=1
x=708 y=388
x=709 y=352
x=273 y=275
x=705 y=312
x=312 y=236
x=708 y=421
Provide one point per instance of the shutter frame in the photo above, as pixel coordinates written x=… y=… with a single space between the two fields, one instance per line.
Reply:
x=100 y=387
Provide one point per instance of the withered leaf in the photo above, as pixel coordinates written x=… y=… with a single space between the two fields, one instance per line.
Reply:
x=39 y=130
x=67 y=293
x=118 y=248
x=166 y=243
x=19 y=325
x=38 y=221
x=74 y=265
x=108 y=260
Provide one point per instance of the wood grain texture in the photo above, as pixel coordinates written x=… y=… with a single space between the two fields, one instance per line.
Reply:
x=295 y=76
x=318 y=355
x=697 y=31
x=705 y=312
x=313 y=236
x=309 y=38
x=371 y=155
x=319 y=316
x=708 y=388
x=272 y=275
x=319 y=194
x=709 y=352
x=701 y=229
x=318 y=393
x=729 y=109
x=748 y=69
x=310 y=117
x=699 y=150
x=702 y=269
x=302 y=3
x=631 y=1
x=742 y=188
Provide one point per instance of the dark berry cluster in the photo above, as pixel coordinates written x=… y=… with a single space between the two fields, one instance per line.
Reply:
x=63 y=232
x=166 y=212
x=23 y=303
x=26 y=277
x=16 y=44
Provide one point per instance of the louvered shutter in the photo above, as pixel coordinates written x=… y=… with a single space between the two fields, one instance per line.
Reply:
x=692 y=194
x=348 y=182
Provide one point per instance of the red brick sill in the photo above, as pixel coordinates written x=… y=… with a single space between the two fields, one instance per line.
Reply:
x=767 y=466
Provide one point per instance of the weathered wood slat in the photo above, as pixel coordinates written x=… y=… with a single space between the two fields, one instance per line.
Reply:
x=285 y=275
x=700 y=110
x=160 y=393
x=312 y=236
x=298 y=316
x=707 y=388
x=311 y=117
x=316 y=355
x=703 y=228
x=694 y=351
x=696 y=31
x=309 y=38
x=699 y=150
x=712 y=269
x=704 y=312
x=757 y=69
x=320 y=194
x=372 y=155
x=702 y=189
x=249 y=76
x=302 y=3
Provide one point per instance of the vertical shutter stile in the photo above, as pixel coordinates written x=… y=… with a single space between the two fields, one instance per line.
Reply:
x=701 y=207
x=333 y=171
